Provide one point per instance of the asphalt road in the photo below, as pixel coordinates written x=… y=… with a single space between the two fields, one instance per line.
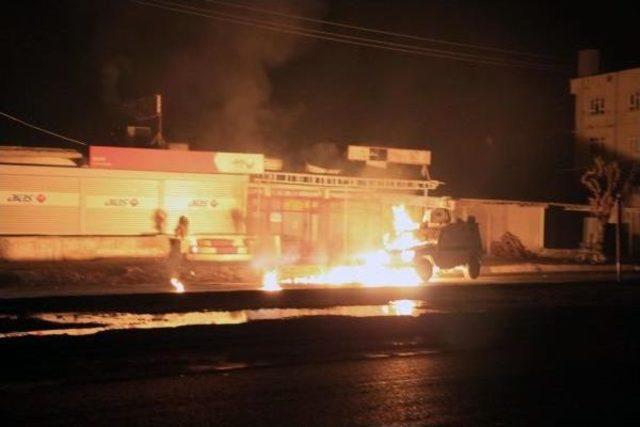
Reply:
x=499 y=354
x=13 y=290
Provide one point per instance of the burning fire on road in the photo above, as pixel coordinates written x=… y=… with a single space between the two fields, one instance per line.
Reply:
x=370 y=269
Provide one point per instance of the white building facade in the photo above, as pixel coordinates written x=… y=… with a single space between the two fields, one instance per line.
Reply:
x=607 y=115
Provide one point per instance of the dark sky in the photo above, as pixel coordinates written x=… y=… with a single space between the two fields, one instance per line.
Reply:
x=494 y=131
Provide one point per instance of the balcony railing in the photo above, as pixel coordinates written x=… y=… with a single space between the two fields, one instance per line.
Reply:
x=344 y=181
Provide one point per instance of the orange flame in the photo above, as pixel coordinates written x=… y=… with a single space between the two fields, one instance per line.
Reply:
x=177 y=284
x=375 y=268
x=402 y=307
x=270 y=282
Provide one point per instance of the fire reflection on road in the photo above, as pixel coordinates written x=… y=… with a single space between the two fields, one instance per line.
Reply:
x=106 y=321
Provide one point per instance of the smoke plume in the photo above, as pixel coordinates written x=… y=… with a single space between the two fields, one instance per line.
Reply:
x=229 y=67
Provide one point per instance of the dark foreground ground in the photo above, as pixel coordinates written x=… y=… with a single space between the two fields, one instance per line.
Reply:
x=525 y=354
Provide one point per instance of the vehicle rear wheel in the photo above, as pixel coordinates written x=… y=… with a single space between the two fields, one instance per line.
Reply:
x=472 y=269
x=425 y=269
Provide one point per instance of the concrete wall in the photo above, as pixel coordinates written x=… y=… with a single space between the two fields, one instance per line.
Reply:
x=60 y=248
x=526 y=221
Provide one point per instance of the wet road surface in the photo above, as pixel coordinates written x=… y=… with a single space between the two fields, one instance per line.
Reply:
x=477 y=355
x=459 y=388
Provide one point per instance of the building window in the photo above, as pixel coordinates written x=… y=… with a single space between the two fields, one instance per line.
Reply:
x=596 y=106
x=634 y=101
x=597 y=147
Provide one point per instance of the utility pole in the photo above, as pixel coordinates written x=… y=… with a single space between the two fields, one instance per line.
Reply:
x=618 y=236
x=159 y=139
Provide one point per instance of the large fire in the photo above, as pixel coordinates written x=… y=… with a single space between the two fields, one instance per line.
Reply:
x=374 y=268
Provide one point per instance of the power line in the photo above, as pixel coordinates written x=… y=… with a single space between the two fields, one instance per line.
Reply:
x=382 y=42
x=378 y=31
x=360 y=41
x=342 y=38
x=48 y=132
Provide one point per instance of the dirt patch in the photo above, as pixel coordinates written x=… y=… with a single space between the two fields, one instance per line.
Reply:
x=105 y=273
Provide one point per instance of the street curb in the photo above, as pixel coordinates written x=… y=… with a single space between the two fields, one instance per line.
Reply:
x=515 y=268
x=553 y=268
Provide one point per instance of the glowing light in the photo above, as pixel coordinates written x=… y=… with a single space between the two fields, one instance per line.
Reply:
x=177 y=284
x=193 y=245
x=270 y=282
x=437 y=272
x=407 y=256
x=403 y=307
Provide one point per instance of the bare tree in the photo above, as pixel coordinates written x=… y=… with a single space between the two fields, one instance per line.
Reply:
x=604 y=181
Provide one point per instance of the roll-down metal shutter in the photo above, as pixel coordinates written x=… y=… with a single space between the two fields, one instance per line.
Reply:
x=31 y=205
x=215 y=204
x=119 y=206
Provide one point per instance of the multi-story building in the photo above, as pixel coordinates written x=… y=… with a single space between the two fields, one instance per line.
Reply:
x=607 y=111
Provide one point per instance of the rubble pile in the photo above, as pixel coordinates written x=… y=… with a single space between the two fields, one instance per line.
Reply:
x=510 y=247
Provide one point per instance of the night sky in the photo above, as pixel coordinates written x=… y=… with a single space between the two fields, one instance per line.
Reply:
x=494 y=130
